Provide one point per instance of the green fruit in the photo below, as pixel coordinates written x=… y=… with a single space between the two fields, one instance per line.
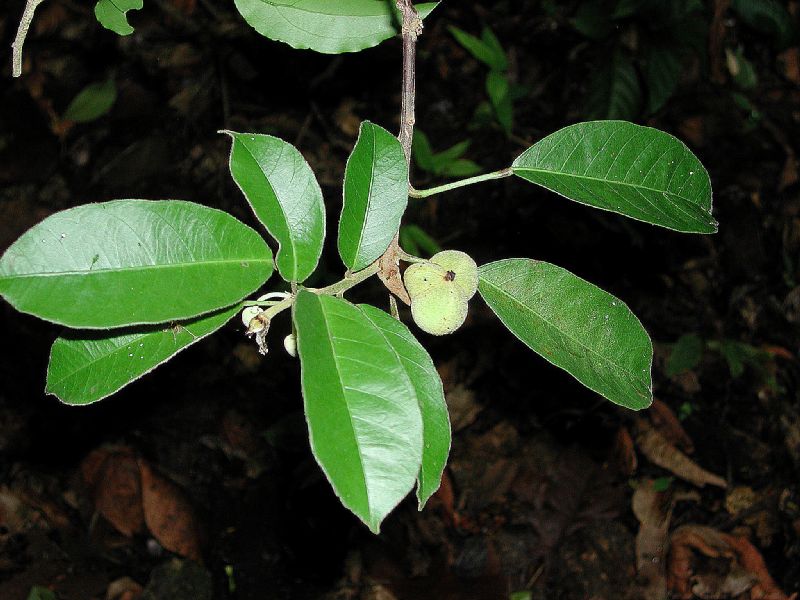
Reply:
x=421 y=278
x=462 y=269
x=439 y=311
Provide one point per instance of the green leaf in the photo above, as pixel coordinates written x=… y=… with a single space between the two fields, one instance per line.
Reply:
x=133 y=262
x=375 y=196
x=487 y=50
x=362 y=407
x=446 y=157
x=327 y=26
x=632 y=170
x=574 y=325
x=614 y=90
x=415 y=240
x=499 y=90
x=421 y=151
x=490 y=39
x=686 y=354
x=111 y=14
x=663 y=67
x=448 y=162
x=41 y=593
x=430 y=396
x=769 y=17
x=88 y=366
x=285 y=196
x=92 y=102
x=461 y=168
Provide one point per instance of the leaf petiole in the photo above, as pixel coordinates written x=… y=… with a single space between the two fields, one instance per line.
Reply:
x=414 y=193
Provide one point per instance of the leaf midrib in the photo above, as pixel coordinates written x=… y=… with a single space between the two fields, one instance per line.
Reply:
x=368 y=206
x=608 y=181
x=141 y=268
x=279 y=6
x=292 y=244
x=329 y=337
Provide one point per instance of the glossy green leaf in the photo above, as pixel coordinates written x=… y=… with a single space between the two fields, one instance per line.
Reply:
x=632 y=170
x=111 y=14
x=361 y=405
x=328 y=26
x=486 y=49
x=375 y=196
x=573 y=324
x=92 y=102
x=88 y=366
x=285 y=196
x=430 y=396
x=133 y=262
x=614 y=89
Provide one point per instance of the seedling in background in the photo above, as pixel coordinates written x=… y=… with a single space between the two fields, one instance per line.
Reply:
x=690 y=349
x=417 y=241
x=502 y=91
x=448 y=163
x=137 y=281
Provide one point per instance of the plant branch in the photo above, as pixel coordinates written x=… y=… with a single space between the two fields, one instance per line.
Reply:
x=350 y=281
x=411 y=30
x=22 y=32
x=414 y=193
x=388 y=264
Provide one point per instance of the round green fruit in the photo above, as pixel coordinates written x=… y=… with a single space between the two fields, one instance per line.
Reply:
x=460 y=269
x=439 y=311
x=421 y=278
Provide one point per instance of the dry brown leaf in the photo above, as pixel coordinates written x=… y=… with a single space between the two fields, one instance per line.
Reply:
x=659 y=451
x=747 y=569
x=653 y=510
x=789 y=174
x=751 y=561
x=12 y=511
x=123 y=588
x=111 y=475
x=665 y=421
x=790 y=59
x=683 y=542
x=446 y=498
x=693 y=129
x=168 y=514
x=624 y=454
x=389 y=273
x=713 y=586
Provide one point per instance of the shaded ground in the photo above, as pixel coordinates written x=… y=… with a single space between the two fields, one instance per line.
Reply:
x=539 y=494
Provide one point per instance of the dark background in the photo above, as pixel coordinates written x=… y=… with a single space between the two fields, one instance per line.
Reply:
x=537 y=500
